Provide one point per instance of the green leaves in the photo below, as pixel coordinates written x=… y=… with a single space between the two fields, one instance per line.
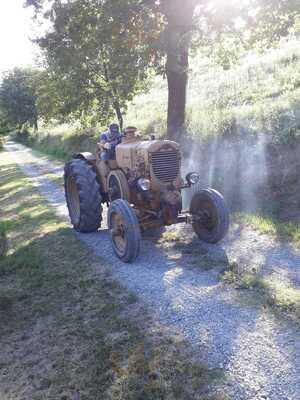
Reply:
x=97 y=56
x=18 y=97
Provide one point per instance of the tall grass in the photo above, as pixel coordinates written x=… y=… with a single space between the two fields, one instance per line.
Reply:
x=271 y=226
x=59 y=142
x=262 y=93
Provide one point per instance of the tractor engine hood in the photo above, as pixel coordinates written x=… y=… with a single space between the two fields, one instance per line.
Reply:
x=130 y=154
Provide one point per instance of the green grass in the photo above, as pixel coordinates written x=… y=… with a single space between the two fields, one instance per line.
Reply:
x=4 y=227
x=59 y=142
x=272 y=293
x=259 y=94
x=67 y=327
x=54 y=151
x=288 y=231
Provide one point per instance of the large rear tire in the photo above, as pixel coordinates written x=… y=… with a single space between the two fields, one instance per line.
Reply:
x=83 y=197
x=124 y=230
x=210 y=215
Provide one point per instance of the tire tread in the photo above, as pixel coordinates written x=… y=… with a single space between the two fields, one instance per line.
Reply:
x=89 y=195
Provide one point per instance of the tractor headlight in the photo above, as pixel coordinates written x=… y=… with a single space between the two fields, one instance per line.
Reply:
x=143 y=184
x=193 y=178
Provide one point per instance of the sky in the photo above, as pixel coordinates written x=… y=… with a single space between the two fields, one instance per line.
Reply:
x=16 y=28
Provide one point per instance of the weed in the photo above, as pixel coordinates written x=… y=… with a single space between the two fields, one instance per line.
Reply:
x=273 y=293
x=170 y=236
x=271 y=226
x=205 y=263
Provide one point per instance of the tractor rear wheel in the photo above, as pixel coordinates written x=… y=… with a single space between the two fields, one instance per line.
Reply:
x=83 y=196
x=210 y=215
x=124 y=230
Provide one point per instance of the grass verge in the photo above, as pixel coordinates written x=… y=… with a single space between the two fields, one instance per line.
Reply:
x=68 y=331
x=58 y=146
x=287 y=231
x=272 y=293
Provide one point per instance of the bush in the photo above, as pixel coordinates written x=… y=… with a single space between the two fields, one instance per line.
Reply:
x=21 y=135
x=60 y=146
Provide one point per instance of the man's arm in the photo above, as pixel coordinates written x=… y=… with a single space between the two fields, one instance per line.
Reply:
x=103 y=138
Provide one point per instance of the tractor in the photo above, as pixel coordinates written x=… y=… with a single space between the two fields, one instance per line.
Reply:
x=142 y=187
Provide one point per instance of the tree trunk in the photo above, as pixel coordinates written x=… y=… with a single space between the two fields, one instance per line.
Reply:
x=114 y=95
x=178 y=36
x=118 y=112
x=35 y=124
x=177 y=84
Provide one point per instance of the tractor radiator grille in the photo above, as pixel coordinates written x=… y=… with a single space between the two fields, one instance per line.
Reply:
x=166 y=165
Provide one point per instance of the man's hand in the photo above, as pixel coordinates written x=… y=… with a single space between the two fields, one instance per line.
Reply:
x=107 y=146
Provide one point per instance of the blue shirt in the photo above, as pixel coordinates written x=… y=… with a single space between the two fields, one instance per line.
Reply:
x=114 y=142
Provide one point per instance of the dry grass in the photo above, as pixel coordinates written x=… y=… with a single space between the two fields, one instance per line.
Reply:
x=259 y=94
x=270 y=292
x=170 y=236
x=67 y=328
x=289 y=231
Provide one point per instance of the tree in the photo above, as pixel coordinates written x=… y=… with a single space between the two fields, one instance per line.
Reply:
x=159 y=33
x=96 y=54
x=18 y=97
x=177 y=37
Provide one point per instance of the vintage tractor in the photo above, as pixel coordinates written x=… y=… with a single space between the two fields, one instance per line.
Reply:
x=142 y=188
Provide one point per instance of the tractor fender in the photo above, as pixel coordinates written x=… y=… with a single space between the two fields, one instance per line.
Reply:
x=87 y=156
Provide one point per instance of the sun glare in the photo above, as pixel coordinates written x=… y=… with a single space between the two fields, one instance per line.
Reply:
x=15 y=33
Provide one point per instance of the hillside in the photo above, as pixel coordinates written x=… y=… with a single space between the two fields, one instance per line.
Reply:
x=244 y=124
x=260 y=94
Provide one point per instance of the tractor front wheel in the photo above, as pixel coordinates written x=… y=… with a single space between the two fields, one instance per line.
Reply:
x=124 y=230
x=210 y=215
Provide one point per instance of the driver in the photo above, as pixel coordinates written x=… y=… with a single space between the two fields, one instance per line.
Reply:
x=108 y=141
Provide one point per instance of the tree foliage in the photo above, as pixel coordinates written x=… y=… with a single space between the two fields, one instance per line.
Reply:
x=18 y=97
x=97 y=54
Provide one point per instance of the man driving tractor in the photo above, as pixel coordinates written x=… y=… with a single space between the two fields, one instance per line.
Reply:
x=109 y=140
x=112 y=137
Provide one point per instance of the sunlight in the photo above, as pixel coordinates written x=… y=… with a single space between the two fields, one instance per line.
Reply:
x=220 y=4
x=15 y=33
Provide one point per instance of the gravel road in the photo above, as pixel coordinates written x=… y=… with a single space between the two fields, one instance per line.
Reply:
x=260 y=353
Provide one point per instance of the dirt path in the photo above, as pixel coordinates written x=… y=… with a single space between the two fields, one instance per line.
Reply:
x=260 y=353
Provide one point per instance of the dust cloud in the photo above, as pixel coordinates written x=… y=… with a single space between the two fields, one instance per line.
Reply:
x=237 y=167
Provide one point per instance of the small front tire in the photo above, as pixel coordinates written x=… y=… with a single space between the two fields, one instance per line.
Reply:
x=210 y=215
x=124 y=230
